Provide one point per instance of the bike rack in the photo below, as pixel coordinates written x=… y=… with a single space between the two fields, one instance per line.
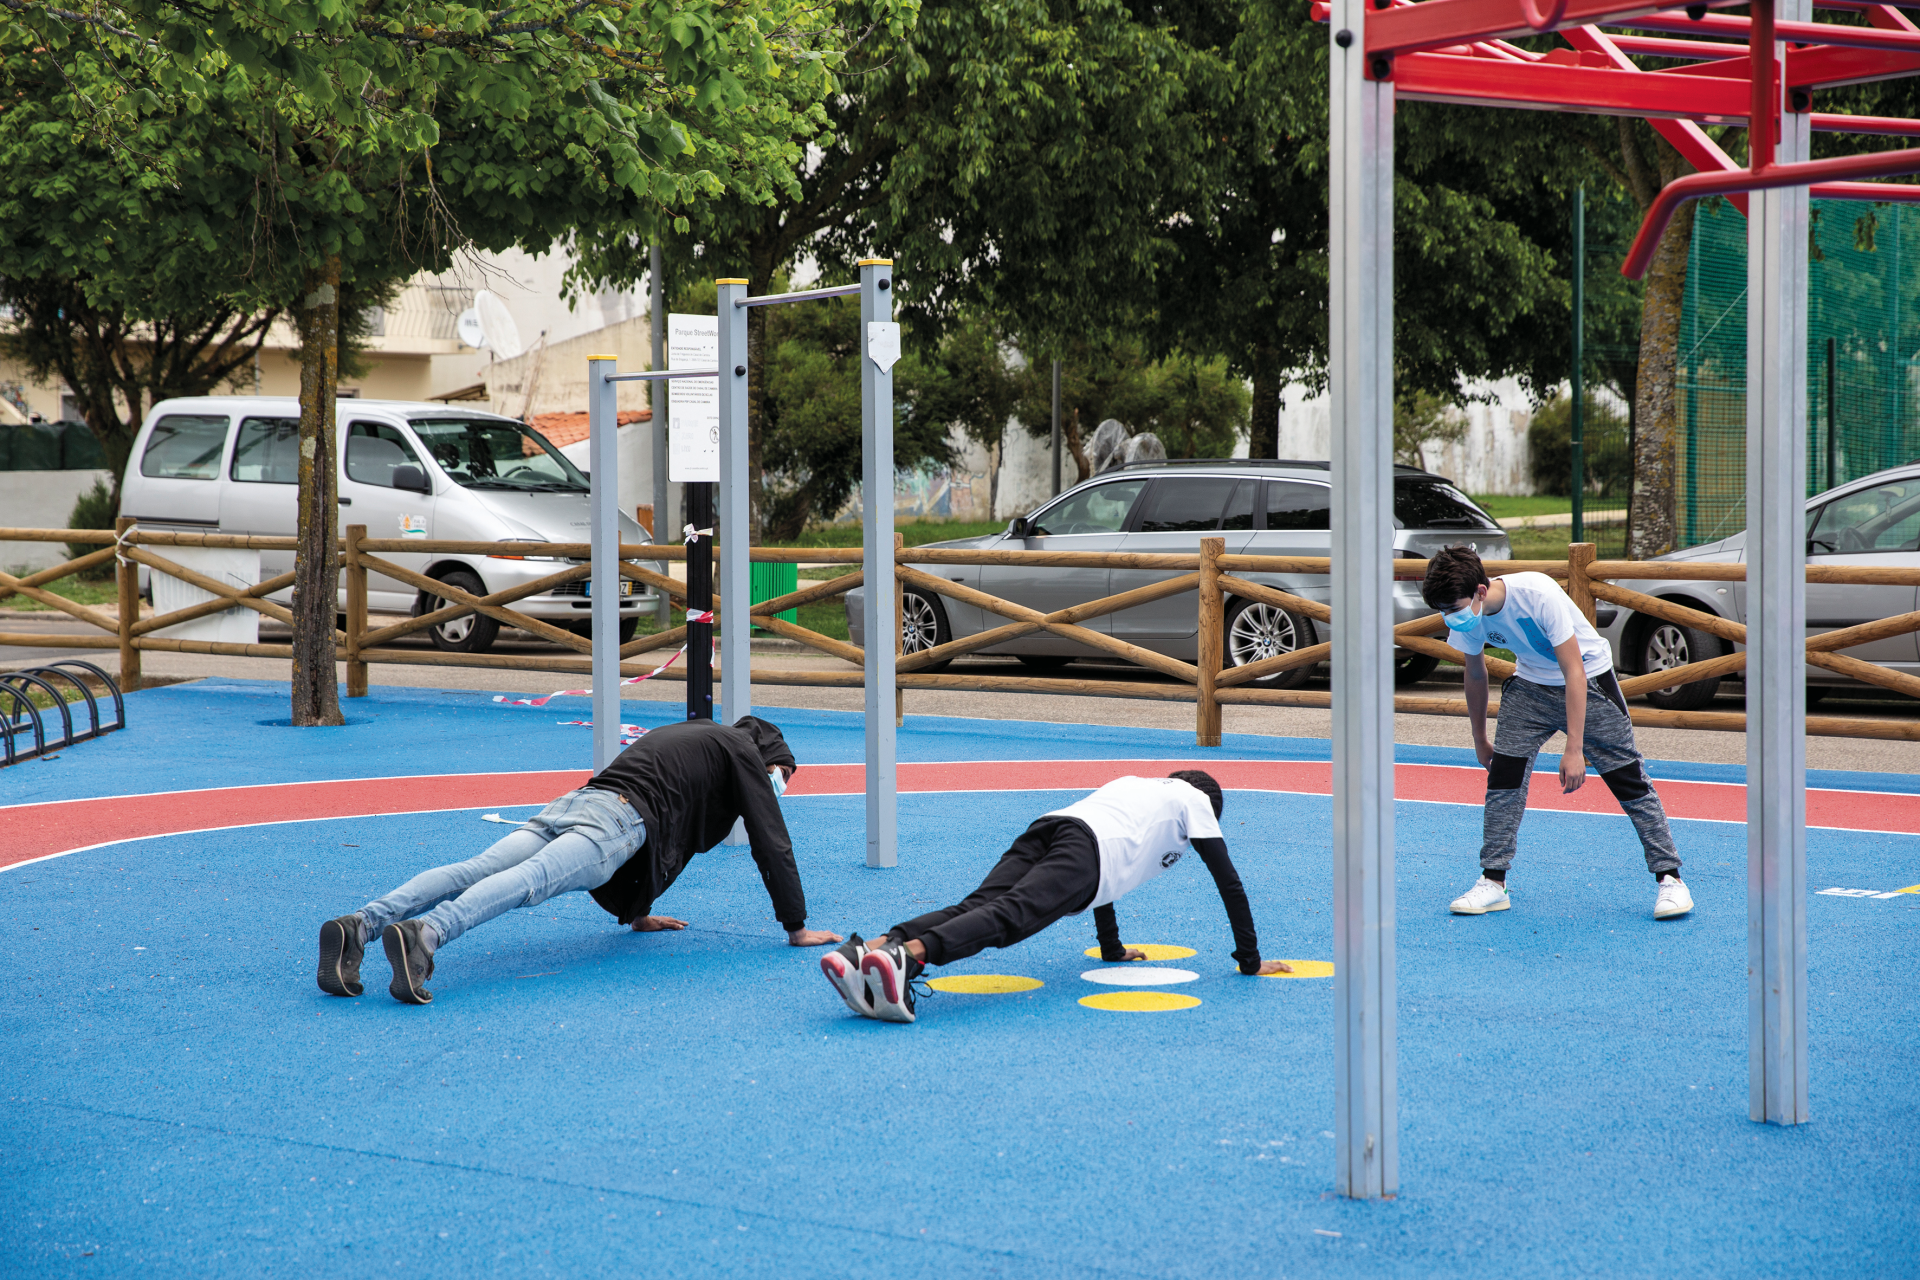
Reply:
x=19 y=685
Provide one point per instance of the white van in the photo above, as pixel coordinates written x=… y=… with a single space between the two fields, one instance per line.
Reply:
x=407 y=470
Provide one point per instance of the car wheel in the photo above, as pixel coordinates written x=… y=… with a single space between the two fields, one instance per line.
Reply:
x=1412 y=668
x=474 y=633
x=1668 y=645
x=1044 y=661
x=1257 y=630
x=923 y=626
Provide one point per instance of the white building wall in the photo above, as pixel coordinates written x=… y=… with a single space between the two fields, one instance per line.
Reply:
x=1493 y=458
x=40 y=500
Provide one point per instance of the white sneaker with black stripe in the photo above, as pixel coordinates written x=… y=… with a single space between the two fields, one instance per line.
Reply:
x=1674 y=900
x=842 y=967
x=890 y=970
x=1486 y=895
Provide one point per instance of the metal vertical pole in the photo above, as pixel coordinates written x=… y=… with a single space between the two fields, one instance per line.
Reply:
x=736 y=694
x=1577 y=462
x=1833 y=419
x=1691 y=330
x=1360 y=366
x=699 y=600
x=657 y=396
x=879 y=618
x=736 y=578
x=1777 y=224
x=603 y=479
x=1056 y=428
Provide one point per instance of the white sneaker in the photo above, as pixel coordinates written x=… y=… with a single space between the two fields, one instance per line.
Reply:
x=1486 y=895
x=1674 y=900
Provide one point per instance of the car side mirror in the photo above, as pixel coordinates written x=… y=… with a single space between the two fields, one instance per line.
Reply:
x=411 y=478
x=1019 y=527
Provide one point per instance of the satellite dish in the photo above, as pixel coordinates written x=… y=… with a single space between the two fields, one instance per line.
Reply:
x=469 y=329
x=496 y=325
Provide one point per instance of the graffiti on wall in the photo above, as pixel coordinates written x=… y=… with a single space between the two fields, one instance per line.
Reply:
x=937 y=493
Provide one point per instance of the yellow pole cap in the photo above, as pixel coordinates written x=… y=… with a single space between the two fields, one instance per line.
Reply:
x=730 y=281
x=603 y=357
x=876 y=262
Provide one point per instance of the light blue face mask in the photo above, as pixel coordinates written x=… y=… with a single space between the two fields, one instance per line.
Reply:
x=778 y=777
x=1463 y=621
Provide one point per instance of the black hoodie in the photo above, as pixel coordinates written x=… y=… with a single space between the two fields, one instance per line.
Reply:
x=689 y=782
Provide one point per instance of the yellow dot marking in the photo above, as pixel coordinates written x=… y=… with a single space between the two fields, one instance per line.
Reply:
x=1140 y=1001
x=984 y=984
x=1154 y=950
x=1305 y=969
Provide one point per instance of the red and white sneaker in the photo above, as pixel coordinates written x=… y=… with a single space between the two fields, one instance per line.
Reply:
x=842 y=967
x=890 y=970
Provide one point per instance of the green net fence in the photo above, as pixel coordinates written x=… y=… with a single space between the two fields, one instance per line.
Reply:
x=1863 y=356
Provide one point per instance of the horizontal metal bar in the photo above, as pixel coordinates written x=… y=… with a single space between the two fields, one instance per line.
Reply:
x=662 y=375
x=1885 y=126
x=798 y=295
x=1446 y=77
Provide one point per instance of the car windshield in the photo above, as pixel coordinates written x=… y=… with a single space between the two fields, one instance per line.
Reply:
x=493 y=453
x=1435 y=504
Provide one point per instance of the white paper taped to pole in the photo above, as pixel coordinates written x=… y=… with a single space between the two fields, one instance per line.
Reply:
x=693 y=404
x=1140 y=976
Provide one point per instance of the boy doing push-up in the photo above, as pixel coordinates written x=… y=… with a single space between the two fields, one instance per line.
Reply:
x=1085 y=855
x=1564 y=682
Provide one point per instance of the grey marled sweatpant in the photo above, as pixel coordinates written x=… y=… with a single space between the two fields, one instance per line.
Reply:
x=1530 y=714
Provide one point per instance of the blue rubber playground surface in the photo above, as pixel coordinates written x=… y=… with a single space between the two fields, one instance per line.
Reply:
x=178 y=1099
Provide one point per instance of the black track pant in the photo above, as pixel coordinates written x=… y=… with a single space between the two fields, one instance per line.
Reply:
x=1052 y=870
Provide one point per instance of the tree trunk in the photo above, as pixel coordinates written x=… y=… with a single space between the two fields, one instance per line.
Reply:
x=1263 y=439
x=316 y=693
x=1070 y=431
x=1651 y=521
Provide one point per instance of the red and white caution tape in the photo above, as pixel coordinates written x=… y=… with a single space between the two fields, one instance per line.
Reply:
x=587 y=693
x=629 y=733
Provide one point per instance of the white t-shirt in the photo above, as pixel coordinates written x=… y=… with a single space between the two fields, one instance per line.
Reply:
x=1143 y=826
x=1537 y=616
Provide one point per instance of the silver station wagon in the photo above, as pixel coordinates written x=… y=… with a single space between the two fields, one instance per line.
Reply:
x=1872 y=522
x=1259 y=507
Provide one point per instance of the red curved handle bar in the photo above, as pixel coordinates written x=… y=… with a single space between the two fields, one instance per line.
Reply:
x=1878 y=164
x=1541 y=21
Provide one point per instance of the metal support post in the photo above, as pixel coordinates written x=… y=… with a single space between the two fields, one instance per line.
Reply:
x=1360 y=350
x=699 y=600
x=1056 y=428
x=736 y=585
x=603 y=478
x=1577 y=462
x=881 y=347
x=657 y=397
x=1777 y=226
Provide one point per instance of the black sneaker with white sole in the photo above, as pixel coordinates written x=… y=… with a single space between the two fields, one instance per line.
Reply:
x=411 y=960
x=890 y=970
x=340 y=953
x=842 y=967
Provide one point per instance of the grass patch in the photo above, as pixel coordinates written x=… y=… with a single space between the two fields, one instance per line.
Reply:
x=828 y=617
x=1502 y=506
x=74 y=587
x=919 y=533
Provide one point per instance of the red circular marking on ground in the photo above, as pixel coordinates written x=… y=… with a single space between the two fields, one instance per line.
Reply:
x=34 y=831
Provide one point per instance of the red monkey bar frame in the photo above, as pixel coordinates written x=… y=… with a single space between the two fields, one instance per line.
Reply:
x=1759 y=72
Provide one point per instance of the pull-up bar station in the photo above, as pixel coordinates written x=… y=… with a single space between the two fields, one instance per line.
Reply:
x=727 y=472
x=1760 y=72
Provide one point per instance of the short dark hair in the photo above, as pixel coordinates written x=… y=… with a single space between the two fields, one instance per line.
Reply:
x=1204 y=784
x=1452 y=575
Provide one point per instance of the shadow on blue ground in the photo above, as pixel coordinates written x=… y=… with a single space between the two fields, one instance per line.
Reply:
x=180 y=1100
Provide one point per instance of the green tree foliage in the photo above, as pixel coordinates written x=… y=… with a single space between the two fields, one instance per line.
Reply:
x=94 y=509
x=1421 y=418
x=366 y=141
x=1606 y=454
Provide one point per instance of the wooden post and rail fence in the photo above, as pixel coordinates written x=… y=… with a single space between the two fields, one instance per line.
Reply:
x=1213 y=574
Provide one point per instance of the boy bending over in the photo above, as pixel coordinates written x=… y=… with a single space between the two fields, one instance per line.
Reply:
x=1086 y=855
x=1564 y=682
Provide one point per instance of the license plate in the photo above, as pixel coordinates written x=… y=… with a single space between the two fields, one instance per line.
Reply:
x=586 y=586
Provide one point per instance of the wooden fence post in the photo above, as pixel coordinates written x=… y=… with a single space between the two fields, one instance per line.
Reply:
x=1579 y=585
x=127 y=576
x=356 y=611
x=1206 y=716
x=899 y=618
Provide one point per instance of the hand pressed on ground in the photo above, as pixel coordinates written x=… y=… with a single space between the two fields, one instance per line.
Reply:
x=1272 y=966
x=812 y=938
x=649 y=924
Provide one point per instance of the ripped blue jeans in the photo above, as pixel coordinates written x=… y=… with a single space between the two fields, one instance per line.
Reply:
x=577 y=842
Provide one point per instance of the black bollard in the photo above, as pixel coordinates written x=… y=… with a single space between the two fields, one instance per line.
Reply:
x=700 y=600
